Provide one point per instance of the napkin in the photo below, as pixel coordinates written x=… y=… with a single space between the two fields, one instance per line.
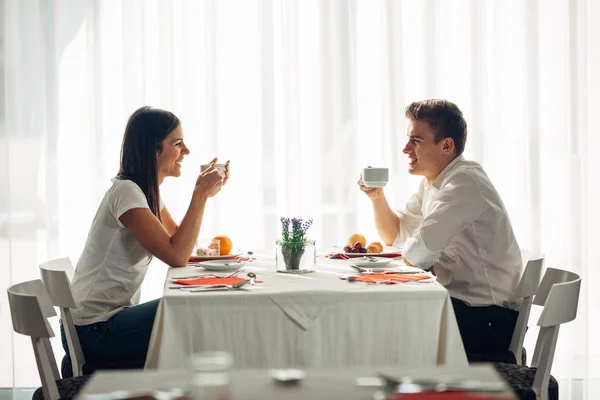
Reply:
x=451 y=395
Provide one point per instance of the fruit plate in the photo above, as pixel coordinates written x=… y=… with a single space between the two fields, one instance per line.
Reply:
x=222 y=265
x=369 y=261
x=230 y=256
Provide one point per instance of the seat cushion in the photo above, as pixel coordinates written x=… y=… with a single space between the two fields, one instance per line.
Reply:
x=520 y=378
x=66 y=368
x=67 y=388
x=507 y=357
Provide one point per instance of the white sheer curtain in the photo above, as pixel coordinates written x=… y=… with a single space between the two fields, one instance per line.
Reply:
x=299 y=95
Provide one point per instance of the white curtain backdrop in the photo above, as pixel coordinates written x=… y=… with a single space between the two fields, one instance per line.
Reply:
x=299 y=95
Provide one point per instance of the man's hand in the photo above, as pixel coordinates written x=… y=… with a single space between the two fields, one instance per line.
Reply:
x=386 y=220
x=372 y=193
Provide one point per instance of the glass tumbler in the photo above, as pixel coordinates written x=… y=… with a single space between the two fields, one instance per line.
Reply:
x=210 y=375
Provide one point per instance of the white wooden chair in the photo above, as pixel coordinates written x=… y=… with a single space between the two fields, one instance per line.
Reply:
x=525 y=291
x=558 y=293
x=55 y=275
x=528 y=285
x=30 y=308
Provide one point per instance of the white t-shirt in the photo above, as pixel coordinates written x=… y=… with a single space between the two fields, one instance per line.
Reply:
x=459 y=225
x=113 y=264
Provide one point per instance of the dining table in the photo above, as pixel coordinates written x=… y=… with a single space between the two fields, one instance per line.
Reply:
x=475 y=382
x=320 y=319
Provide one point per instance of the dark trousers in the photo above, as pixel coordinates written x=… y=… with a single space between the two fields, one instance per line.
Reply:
x=485 y=331
x=122 y=339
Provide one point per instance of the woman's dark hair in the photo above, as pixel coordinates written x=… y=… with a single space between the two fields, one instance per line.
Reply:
x=145 y=131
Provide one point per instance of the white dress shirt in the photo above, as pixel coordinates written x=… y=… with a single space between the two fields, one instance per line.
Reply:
x=459 y=226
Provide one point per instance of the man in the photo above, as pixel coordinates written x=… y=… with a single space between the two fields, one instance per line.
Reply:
x=457 y=225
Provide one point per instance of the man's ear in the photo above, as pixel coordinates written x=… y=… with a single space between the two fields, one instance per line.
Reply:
x=448 y=145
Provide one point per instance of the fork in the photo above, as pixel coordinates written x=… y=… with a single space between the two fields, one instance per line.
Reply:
x=221 y=286
x=382 y=271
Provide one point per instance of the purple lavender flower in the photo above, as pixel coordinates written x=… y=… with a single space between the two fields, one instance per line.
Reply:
x=298 y=229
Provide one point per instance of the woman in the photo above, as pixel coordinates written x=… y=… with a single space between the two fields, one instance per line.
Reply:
x=131 y=226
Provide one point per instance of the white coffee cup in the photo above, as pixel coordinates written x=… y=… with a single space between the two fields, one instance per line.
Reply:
x=375 y=177
x=218 y=167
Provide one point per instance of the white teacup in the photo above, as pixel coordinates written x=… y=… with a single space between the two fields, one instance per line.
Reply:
x=375 y=177
x=218 y=167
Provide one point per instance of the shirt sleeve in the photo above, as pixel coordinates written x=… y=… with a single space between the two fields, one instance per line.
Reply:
x=410 y=217
x=455 y=207
x=126 y=196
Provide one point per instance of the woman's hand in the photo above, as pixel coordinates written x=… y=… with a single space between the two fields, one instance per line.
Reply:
x=226 y=172
x=210 y=182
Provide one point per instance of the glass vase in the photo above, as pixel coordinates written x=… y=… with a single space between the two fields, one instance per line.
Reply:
x=295 y=257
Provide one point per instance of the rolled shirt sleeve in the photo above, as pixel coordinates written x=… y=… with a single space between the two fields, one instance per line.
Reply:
x=410 y=217
x=453 y=208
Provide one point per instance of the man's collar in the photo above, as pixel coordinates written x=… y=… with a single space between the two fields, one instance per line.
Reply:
x=438 y=181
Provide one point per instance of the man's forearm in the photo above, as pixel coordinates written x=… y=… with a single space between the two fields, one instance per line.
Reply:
x=386 y=220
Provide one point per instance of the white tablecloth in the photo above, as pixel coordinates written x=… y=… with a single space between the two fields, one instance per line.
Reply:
x=312 y=320
x=256 y=384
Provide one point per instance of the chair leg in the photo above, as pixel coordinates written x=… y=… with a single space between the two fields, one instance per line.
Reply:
x=45 y=369
x=51 y=358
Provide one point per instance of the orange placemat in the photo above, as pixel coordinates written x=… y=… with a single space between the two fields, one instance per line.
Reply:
x=210 y=281
x=387 y=277
x=447 y=396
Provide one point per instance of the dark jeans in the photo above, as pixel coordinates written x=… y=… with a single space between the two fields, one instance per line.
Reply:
x=485 y=330
x=123 y=338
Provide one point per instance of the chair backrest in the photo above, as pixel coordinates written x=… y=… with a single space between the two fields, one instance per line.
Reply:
x=528 y=286
x=56 y=277
x=55 y=274
x=30 y=308
x=559 y=294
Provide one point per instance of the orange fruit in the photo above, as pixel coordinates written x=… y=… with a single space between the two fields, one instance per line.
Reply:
x=357 y=237
x=226 y=244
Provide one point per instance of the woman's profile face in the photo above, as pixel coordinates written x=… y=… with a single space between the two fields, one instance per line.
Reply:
x=169 y=159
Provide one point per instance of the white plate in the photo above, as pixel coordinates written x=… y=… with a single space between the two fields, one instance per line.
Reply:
x=387 y=252
x=222 y=265
x=371 y=262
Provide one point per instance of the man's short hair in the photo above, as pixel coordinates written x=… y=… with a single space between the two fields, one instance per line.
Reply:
x=444 y=117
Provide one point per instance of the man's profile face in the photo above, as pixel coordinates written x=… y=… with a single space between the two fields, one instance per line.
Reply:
x=425 y=156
